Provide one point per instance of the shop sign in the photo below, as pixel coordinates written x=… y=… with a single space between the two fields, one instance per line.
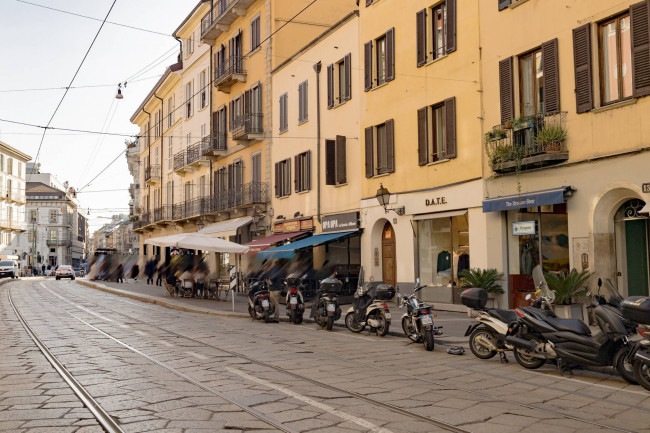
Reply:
x=435 y=201
x=341 y=222
x=293 y=226
x=645 y=188
x=524 y=228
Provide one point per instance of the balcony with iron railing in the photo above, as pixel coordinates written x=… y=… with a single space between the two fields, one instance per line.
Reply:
x=145 y=219
x=229 y=72
x=244 y=195
x=527 y=143
x=180 y=161
x=248 y=127
x=214 y=145
x=162 y=214
x=192 y=208
x=60 y=242
x=220 y=17
x=152 y=174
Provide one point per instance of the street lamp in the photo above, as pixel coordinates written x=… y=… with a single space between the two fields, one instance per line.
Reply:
x=383 y=197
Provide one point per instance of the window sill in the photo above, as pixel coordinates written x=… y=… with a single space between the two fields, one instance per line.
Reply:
x=283 y=197
x=385 y=83
x=381 y=175
x=339 y=185
x=300 y=122
x=302 y=192
x=254 y=50
x=431 y=62
x=283 y=131
x=615 y=105
x=517 y=3
x=339 y=104
x=440 y=161
x=201 y=109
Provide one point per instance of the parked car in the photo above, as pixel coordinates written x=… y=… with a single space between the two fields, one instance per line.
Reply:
x=9 y=268
x=64 y=271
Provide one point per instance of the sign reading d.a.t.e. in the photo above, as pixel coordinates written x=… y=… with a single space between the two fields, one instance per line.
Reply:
x=645 y=187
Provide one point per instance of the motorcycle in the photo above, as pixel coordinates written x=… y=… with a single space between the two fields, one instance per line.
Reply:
x=637 y=309
x=417 y=322
x=369 y=308
x=259 y=305
x=537 y=337
x=294 y=300
x=325 y=308
x=487 y=336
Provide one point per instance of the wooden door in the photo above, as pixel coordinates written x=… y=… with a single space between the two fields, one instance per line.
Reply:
x=388 y=256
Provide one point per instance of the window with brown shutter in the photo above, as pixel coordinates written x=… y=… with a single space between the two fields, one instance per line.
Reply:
x=616 y=59
x=330 y=86
x=283 y=178
x=640 y=17
x=303 y=171
x=436 y=27
x=335 y=161
x=582 y=65
x=421 y=36
x=423 y=136
x=339 y=87
x=284 y=122
x=450 y=127
x=437 y=132
x=390 y=146
x=550 y=60
x=531 y=83
x=347 y=75
x=330 y=162
x=451 y=26
x=506 y=90
x=341 y=160
x=367 y=65
x=302 y=102
x=370 y=157
x=390 y=54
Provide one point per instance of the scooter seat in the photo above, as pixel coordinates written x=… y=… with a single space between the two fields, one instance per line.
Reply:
x=506 y=316
x=570 y=325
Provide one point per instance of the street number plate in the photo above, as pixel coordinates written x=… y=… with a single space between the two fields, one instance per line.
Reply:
x=265 y=303
x=426 y=320
x=293 y=300
x=331 y=308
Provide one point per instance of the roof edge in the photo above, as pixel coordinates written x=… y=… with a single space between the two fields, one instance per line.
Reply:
x=173 y=68
x=15 y=152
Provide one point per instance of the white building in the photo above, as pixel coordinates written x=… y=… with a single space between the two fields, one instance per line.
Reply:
x=12 y=198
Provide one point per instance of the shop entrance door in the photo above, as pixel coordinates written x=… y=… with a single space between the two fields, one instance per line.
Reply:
x=388 y=262
x=636 y=246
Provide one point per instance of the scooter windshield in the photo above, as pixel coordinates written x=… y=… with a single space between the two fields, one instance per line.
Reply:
x=540 y=284
x=610 y=293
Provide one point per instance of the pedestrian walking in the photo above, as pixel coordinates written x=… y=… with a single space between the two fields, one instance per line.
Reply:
x=135 y=271
x=120 y=273
x=149 y=270
x=43 y=269
x=160 y=271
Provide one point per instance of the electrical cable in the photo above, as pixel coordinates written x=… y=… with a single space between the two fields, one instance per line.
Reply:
x=95 y=150
x=103 y=170
x=72 y=81
x=143 y=69
x=75 y=87
x=85 y=131
x=94 y=19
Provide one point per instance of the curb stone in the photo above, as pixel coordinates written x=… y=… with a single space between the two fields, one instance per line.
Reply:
x=190 y=309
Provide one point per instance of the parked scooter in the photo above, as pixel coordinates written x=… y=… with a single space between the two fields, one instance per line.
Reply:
x=369 y=308
x=417 y=322
x=637 y=309
x=325 y=308
x=294 y=300
x=259 y=305
x=487 y=336
x=538 y=337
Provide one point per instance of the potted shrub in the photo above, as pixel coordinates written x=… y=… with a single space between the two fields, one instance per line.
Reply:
x=522 y=123
x=488 y=279
x=566 y=287
x=550 y=138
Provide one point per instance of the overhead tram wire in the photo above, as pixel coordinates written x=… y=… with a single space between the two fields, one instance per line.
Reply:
x=94 y=19
x=84 y=131
x=72 y=81
x=103 y=170
x=90 y=86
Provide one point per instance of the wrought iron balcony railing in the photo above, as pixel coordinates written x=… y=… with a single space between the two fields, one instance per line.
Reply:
x=526 y=143
x=228 y=72
x=179 y=160
x=213 y=144
x=247 y=126
x=243 y=195
x=152 y=173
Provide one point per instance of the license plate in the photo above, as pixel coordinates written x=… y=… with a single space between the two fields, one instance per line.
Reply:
x=331 y=308
x=293 y=300
x=265 y=303
x=387 y=316
x=426 y=320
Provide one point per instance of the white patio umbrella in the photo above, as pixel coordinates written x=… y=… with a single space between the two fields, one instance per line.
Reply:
x=198 y=241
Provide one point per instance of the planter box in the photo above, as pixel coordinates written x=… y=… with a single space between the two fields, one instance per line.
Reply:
x=571 y=311
x=523 y=125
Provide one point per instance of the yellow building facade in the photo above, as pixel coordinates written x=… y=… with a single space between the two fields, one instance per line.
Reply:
x=420 y=129
x=564 y=90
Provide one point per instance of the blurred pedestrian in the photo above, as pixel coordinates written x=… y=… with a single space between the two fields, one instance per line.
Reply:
x=120 y=273
x=43 y=269
x=135 y=271
x=160 y=271
x=149 y=268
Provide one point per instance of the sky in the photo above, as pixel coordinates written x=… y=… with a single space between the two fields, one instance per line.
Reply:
x=42 y=49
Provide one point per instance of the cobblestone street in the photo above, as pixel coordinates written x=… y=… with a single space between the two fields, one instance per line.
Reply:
x=156 y=369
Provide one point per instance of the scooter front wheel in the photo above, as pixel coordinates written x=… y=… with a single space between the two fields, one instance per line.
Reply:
x=292 y=316
x=642 y=374
x=267 y=316
x=351 y=324
x=251 y=312
x=382 y=329
x=477 y=348
x=624 y=367
x=410 y=331
x=330 y=322
x=298 y=319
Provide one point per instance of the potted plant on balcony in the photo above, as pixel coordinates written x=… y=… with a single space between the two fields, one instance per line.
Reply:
x=522 y=122
x=566 y=287
x=550 y=138
x=488 y=279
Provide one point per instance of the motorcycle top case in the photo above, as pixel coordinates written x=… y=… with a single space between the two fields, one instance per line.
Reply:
x=331 y=285
x=384 y=292
x=474 y=298
x=637 y=309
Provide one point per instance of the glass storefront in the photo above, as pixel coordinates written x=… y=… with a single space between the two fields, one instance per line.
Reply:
x=443 y=252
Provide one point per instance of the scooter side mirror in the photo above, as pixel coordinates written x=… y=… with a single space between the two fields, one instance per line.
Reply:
x=528 y=297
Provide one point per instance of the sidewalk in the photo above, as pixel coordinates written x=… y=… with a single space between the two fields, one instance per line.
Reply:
x=454 y=324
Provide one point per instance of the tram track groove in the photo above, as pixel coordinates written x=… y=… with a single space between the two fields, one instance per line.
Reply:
x=362 y=397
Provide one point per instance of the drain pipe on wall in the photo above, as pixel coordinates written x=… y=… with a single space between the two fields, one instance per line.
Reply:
x=317 y=68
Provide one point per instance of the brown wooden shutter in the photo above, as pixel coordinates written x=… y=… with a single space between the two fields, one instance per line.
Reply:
x=450 y=127
x=347 y=69
x=309 y=169
x=421 y=36
x=582 y=64
x=369 y=2
x=330 y=86
x=370 y=157
x=277 y=179
x=451 y=26
x=503 y=4
x=259 y=99
x=341 y=176
x=506 y=89
x=390 y=54
x=288 y=172
x=550 y=63
x=330 y=162
x=231 y=122
x=215 y=121
x=296 y=178
x=423 y=136
x=640 y=19
x=390 y=146
x=367 y=62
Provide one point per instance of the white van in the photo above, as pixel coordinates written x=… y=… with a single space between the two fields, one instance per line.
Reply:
x=9 y=268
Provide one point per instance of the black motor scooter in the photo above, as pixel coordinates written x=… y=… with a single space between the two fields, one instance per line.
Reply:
x=259 y=305
x=537 y=337
x=325 y=309
x=294 y=299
